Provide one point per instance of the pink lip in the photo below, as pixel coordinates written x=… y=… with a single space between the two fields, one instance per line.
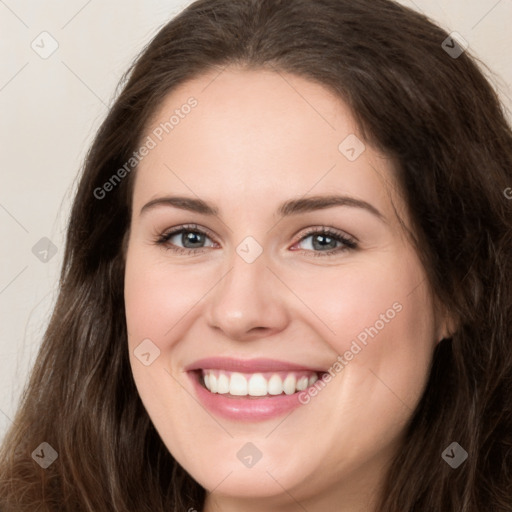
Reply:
x=244 y=408
x=247 y=365
x=249 y=409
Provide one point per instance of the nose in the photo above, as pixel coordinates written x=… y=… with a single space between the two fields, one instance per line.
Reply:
x=249 y=301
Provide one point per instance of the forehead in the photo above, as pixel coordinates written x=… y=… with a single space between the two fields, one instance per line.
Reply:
x=241 y=135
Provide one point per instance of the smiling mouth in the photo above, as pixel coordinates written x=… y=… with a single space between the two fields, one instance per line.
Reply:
x=238 y=385
x=251 y=390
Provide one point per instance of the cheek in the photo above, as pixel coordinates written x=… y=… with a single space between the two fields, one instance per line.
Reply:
x=384 y=297
x=157 y=300
x=157 y=297
x=378 y=318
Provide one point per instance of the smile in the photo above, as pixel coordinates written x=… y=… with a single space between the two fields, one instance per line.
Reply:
x=250 y=390
x=257 y=384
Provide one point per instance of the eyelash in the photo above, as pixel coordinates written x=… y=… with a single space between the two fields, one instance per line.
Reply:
x=349 y=243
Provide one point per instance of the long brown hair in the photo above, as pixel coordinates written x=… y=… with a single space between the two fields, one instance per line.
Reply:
x=436 y=115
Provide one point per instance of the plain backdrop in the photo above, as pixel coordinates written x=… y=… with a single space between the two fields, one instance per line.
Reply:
x=51 y=106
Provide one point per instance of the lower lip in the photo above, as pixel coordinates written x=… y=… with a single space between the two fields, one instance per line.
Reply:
x=245 y=408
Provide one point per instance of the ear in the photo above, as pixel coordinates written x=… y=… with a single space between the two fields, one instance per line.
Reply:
x=447 y=324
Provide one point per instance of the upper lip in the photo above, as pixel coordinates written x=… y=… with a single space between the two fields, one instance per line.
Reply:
x=247 y=365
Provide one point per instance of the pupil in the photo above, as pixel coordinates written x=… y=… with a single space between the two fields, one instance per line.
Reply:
x=324 y=238
x=190 y=237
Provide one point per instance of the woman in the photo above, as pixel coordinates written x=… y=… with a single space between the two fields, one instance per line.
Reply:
x=251 y=372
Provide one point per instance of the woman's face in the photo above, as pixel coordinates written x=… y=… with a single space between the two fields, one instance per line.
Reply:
x=252 y=292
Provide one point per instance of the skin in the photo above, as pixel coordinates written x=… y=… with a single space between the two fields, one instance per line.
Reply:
x=256 y=139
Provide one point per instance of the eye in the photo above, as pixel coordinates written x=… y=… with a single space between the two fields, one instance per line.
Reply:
x=192 y=237
x=327 y=238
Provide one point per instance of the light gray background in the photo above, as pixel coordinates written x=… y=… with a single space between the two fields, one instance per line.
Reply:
x=51 y=108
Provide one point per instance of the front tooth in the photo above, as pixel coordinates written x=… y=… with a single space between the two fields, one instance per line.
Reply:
x=289 y=384
x=222 y=383
x=213 y=383
x=275 y=385
x=302 y=383
x=257 y=385
x=238 y=384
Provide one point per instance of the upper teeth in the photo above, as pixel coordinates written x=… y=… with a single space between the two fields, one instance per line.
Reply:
x=257 y=384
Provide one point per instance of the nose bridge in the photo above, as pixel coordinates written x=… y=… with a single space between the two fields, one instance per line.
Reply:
x=247 y=298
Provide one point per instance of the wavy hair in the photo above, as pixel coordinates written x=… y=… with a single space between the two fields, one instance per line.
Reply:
x=436 y=116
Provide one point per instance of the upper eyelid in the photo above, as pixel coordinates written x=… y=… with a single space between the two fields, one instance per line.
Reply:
x=189 y=227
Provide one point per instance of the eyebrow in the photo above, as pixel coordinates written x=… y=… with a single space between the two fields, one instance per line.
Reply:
x=288 y=208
